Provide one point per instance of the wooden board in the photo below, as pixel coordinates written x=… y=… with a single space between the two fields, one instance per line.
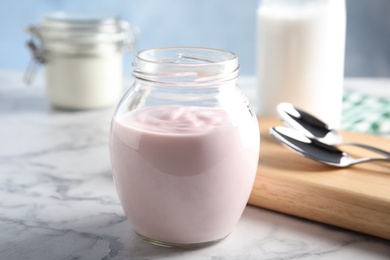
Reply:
x=355 y=198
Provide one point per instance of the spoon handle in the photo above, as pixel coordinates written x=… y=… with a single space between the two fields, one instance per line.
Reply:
x=370 y=148
x=363 y=160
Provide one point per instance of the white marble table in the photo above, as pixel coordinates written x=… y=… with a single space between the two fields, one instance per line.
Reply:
x=58 y=201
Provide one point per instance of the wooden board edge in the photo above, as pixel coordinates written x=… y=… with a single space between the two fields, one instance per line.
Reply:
x=326 y=206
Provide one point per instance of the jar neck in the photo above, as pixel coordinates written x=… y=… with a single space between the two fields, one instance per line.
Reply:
x=186 y=66
x=148 y=93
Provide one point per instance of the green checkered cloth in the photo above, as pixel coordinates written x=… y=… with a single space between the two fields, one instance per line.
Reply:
x=365 y=113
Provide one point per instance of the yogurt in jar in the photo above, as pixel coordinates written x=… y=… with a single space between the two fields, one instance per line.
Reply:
x=183 y=174
x=82 y=55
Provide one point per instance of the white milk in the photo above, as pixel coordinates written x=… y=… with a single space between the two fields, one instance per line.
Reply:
x=301 y=57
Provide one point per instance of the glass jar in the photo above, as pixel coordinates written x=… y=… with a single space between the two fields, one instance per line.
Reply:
x=83 y=58
x=184 y=145
x=300 y=48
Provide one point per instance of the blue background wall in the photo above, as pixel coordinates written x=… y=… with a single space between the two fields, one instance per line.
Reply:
x=225 y=24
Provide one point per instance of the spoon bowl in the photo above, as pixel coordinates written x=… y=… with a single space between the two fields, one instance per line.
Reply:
x=316 y=150
x=314 y=128
x=307 y=124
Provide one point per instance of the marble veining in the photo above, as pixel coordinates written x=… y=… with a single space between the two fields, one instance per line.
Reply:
x=58 y=200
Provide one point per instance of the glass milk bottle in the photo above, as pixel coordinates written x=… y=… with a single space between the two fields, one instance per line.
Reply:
x=300 y=56
x=83 y=56
x=184 y=145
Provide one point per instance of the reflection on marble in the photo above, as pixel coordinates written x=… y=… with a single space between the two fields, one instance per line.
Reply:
x=58 y=201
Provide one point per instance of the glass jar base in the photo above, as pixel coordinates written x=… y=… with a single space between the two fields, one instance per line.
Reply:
x=178 y=245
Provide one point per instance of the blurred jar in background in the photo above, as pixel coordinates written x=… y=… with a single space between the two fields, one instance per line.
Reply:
x=83 y=56
x=300 y=56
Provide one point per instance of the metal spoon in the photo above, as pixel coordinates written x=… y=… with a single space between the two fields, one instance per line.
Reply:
x=314 y=128
x=316 y=150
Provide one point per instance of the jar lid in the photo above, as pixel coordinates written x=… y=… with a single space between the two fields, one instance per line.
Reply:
x=82 y=28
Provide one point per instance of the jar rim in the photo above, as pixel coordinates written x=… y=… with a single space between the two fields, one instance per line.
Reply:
x=186 y=65
x=229 y=56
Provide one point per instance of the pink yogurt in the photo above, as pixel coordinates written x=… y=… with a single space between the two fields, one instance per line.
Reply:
x=183 y=174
